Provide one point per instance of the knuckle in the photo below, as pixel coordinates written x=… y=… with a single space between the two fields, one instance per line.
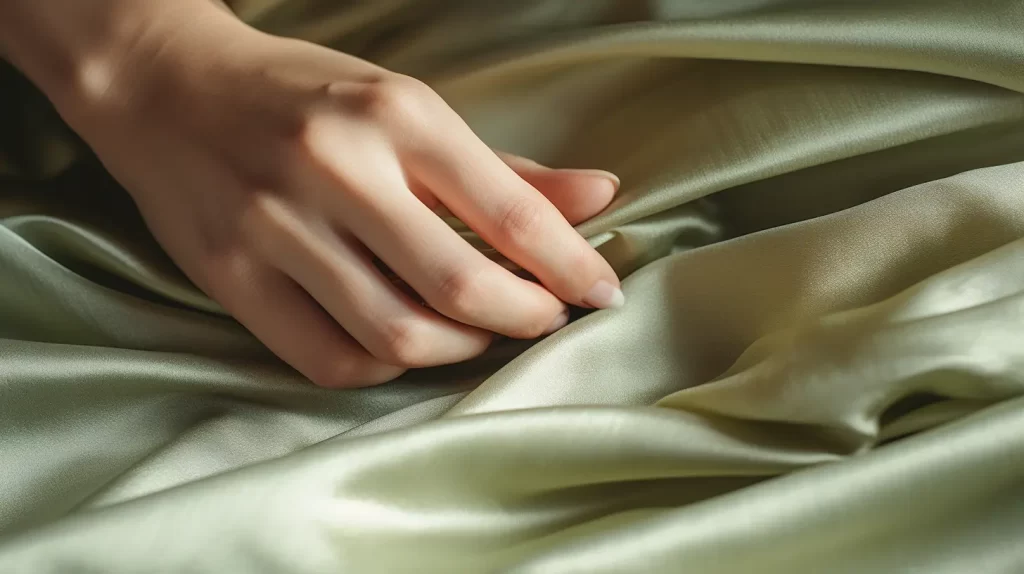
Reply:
x=520 y=222
x=305 y=135
x=395 y=99
x=265 y=218
x=263 y=207
x=223 y=268
x=461 y=294
x=406 y=344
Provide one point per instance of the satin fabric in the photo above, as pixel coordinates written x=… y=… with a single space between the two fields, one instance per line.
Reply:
x=819 y=368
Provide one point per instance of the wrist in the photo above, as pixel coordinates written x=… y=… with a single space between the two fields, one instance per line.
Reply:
x=91 y=55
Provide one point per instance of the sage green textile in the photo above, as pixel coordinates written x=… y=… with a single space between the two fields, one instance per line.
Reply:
x=819 y=368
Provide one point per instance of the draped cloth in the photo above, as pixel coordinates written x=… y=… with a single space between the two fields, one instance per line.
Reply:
x=819 y=367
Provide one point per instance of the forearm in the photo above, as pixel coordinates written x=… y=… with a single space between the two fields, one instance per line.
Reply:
x=73 y=50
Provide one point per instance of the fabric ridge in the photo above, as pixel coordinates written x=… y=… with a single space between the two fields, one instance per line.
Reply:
x=819 y=367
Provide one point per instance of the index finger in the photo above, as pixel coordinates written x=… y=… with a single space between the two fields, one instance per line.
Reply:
x=512 y=216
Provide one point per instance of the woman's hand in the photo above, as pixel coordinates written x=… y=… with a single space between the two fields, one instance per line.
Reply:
x=277 y=173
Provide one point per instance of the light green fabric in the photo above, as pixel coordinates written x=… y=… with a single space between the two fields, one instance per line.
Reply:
x=819 y=368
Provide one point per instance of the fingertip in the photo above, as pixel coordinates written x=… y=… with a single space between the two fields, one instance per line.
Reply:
x=560 y=321
x=577 y=194
x=607 y=176
x=368 y=376
x=605 y=295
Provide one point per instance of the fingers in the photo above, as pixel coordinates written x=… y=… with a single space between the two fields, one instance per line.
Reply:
x=340 y=275
x=511 y=215
x=579 y=194
x=373 y=202
x=287 y=320
x=452 y=276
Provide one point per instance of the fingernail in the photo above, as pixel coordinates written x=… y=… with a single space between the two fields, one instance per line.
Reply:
x=604 y=295
x=611 y=177
x=560 y=321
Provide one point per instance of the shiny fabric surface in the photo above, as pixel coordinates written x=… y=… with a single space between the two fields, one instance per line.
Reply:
x=819 y=368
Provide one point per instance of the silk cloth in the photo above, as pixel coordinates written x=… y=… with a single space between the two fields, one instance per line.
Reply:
x=819 y=368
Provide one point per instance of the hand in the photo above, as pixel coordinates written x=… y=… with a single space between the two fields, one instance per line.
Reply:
x=277 y=174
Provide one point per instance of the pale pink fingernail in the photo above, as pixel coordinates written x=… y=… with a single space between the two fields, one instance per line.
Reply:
x=560 y=321
x=604 y=295
x=611 y=177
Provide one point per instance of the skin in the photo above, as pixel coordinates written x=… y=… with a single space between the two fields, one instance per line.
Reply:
x=279 y=175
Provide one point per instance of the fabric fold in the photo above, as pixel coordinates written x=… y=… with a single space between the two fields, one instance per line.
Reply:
x=820 y=365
